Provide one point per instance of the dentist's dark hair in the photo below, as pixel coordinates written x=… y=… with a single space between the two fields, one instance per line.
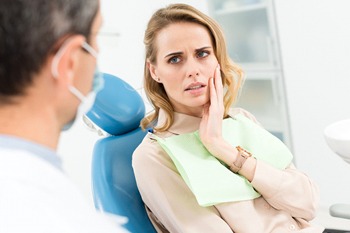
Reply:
x=31 y=30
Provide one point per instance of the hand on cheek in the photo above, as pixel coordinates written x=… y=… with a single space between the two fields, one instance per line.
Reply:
x=210 y=130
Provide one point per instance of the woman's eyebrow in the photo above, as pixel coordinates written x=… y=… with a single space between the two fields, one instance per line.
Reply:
x=180 y=53
x=173 y=54
x=205 y=47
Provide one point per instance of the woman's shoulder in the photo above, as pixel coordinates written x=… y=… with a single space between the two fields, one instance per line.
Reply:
x=148 y=145
x=148 y=150
x=149 y=157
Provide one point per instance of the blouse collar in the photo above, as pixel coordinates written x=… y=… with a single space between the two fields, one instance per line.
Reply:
x=183 y=123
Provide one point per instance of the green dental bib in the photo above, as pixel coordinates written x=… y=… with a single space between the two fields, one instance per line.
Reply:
x=212 y=182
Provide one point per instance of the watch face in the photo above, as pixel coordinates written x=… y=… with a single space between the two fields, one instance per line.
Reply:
x=243 y=152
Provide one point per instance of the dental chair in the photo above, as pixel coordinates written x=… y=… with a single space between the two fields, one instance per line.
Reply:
x=116 y=116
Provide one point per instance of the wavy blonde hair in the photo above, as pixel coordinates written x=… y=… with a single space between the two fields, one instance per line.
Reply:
x=231 y=74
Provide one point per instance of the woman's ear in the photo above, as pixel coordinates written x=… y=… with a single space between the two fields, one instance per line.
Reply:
x=152 y=69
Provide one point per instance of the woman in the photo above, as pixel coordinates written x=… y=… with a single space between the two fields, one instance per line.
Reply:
x=192 y=85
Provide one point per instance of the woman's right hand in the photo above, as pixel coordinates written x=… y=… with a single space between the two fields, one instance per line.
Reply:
x=210 y=129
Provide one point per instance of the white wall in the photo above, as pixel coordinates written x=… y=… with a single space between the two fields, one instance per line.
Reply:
x=315 y=44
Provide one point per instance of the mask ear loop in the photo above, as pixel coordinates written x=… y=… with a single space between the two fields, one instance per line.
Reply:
x=88 y=48
x=54 y=69
x=77 y=93
x=57 y=58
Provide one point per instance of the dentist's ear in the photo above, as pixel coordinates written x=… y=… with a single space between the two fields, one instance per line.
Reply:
x=152 y=70
x=64 y=63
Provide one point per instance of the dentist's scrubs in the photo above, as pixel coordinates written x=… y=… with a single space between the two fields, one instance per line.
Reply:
x=37 y=197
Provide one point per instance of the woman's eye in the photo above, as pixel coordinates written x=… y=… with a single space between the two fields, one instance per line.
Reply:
x=174 y=60
x=203 y=54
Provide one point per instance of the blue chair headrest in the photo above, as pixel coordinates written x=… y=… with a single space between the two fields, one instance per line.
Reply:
x=118 y=107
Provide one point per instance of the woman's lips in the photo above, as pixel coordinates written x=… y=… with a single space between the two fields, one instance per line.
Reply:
x=195 y=88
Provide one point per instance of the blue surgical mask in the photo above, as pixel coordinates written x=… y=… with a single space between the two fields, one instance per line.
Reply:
x=98 y=81
x=97 y=85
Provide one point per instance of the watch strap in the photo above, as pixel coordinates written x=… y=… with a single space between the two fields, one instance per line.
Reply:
x=242 y=156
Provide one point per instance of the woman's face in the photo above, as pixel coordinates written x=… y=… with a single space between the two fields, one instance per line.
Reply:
x=185 y=63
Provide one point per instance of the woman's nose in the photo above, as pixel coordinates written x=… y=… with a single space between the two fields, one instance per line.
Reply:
x=193 y=69
x=194 y=74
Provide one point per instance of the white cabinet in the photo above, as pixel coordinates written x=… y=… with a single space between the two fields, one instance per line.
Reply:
x=250 y=31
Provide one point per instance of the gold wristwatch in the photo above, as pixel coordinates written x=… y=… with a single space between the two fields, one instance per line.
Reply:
x=243 y=155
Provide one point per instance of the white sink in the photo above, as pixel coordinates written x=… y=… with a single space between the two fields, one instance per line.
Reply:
x=338 y=138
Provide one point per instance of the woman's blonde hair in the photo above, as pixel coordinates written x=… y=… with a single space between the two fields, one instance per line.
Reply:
x=231 y=74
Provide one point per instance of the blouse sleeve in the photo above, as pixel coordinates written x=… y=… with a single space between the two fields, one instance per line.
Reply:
x=167 y=195
x=288 y=189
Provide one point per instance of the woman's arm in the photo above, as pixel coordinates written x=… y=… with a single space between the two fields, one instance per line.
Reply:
x=287 y=189
x=168 y=197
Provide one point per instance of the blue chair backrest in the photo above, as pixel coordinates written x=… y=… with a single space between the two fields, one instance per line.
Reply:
x=118 y=110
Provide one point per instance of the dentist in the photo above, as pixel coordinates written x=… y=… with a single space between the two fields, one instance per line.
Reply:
x=48 y=54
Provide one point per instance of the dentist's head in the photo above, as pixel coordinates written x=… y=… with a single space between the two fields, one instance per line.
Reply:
x=48 y=56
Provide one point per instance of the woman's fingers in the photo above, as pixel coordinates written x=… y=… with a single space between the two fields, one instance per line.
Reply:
x=218 y=83
x=213 y=96
x=218 y=91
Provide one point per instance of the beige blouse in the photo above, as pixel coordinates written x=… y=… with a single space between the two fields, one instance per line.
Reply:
x=287 y=203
